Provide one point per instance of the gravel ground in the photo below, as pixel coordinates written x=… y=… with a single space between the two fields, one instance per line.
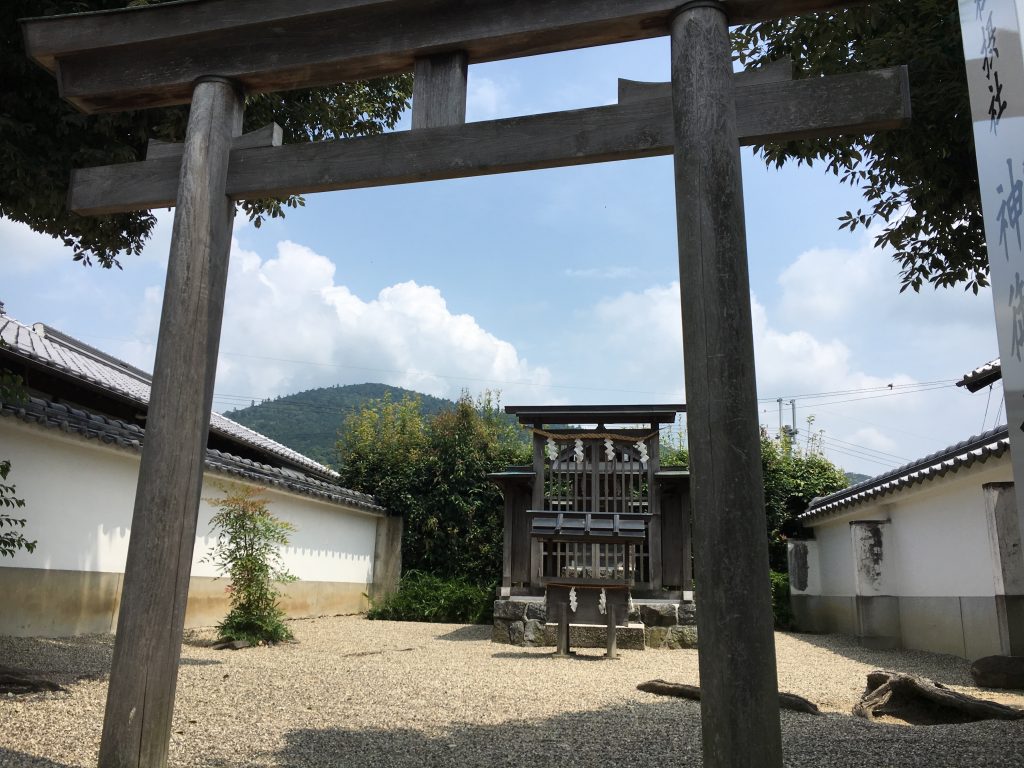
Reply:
x=353 y=692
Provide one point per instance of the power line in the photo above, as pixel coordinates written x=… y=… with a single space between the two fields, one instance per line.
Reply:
x=881 y=388
x=876 y=397
x=887 y=465
x=849 y=445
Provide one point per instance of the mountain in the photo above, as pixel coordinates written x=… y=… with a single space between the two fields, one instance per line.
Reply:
x=855 y=477
x=309 y=421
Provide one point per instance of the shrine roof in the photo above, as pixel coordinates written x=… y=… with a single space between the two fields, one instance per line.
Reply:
x=94 y=369
x=982 y=376
x=978 y=449
x=121 y=434
x=596 y=414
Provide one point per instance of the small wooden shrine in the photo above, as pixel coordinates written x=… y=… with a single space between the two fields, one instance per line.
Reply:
x=596 y=511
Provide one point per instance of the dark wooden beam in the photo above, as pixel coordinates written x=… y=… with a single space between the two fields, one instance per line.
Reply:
x=149 y=56
x=855 y=103
x=268 y=136
x=779 y=71
x=439 y=90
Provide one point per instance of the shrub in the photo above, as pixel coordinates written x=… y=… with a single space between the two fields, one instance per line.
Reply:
x=780 y=601
x=12 y=390
x=425 y=597
x=247 y=550
x=433 y=473
x=11 y=541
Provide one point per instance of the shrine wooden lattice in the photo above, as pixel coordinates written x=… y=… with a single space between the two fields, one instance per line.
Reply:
x=208 y=52
x=611 y=474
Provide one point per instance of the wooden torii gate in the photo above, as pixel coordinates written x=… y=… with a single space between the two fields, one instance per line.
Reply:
x=211 y=52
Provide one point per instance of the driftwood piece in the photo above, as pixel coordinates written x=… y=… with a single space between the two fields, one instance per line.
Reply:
x=19 y=681
x=920 y=701
x=684 y=691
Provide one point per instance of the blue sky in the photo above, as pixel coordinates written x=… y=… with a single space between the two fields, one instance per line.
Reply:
x=553 y=286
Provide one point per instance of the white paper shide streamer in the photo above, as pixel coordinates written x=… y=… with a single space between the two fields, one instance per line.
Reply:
x=641 y=448
x=551 y=449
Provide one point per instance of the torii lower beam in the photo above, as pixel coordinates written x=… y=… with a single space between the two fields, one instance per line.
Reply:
x=637 y=127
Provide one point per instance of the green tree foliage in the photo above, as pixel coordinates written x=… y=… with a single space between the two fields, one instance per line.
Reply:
x=12 y=540
x=42 y=137
x=921 y=181
x=248 y=551
x=793 y=476
x=433 y=472
x=673 y=452
x=425 y=597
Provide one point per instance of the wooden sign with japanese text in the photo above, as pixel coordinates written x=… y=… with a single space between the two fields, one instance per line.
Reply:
x=995 y=76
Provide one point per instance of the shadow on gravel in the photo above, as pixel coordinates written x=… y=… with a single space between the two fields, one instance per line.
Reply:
x=62 y=660
x=548 y=652
x=662 y=732
x=935 y=666
x=474 y=632
x=66 y=660
x=10 y=757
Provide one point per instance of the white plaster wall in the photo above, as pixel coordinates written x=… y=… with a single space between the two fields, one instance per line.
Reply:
x=79 y=497
x=328 y=544
x=835 y=554
x=942 y=536
x=937 y=544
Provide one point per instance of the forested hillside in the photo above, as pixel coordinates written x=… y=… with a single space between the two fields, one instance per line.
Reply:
x=309 y=421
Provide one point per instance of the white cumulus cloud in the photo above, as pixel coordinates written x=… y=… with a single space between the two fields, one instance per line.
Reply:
x=289 y=327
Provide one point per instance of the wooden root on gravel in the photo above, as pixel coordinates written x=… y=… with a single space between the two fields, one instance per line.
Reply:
x=684 y=691
x=19 y=681
x=919 y=701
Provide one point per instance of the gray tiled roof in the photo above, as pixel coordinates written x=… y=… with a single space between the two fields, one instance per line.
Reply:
x=76 y=359
x=131 y=436
x=982 y=376
x=976 y=449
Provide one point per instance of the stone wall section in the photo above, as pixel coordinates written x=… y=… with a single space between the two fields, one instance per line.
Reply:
x=651 y=624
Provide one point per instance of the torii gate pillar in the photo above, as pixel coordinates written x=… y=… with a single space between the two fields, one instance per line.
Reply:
x=739 y=705
x=144 y=672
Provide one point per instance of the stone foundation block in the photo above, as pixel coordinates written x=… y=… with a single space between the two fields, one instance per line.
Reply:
x=652 y=624
x=536 y=610
x=509 y=610
x=674 y=637
x=659 y=614
x=499 y=632
x=688 y=614
x=534 y=632
x=630 y=637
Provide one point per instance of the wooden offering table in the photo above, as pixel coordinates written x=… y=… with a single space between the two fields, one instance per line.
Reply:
x=588 y=568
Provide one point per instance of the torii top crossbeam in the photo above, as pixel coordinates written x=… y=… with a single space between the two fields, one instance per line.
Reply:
x=150 y=56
